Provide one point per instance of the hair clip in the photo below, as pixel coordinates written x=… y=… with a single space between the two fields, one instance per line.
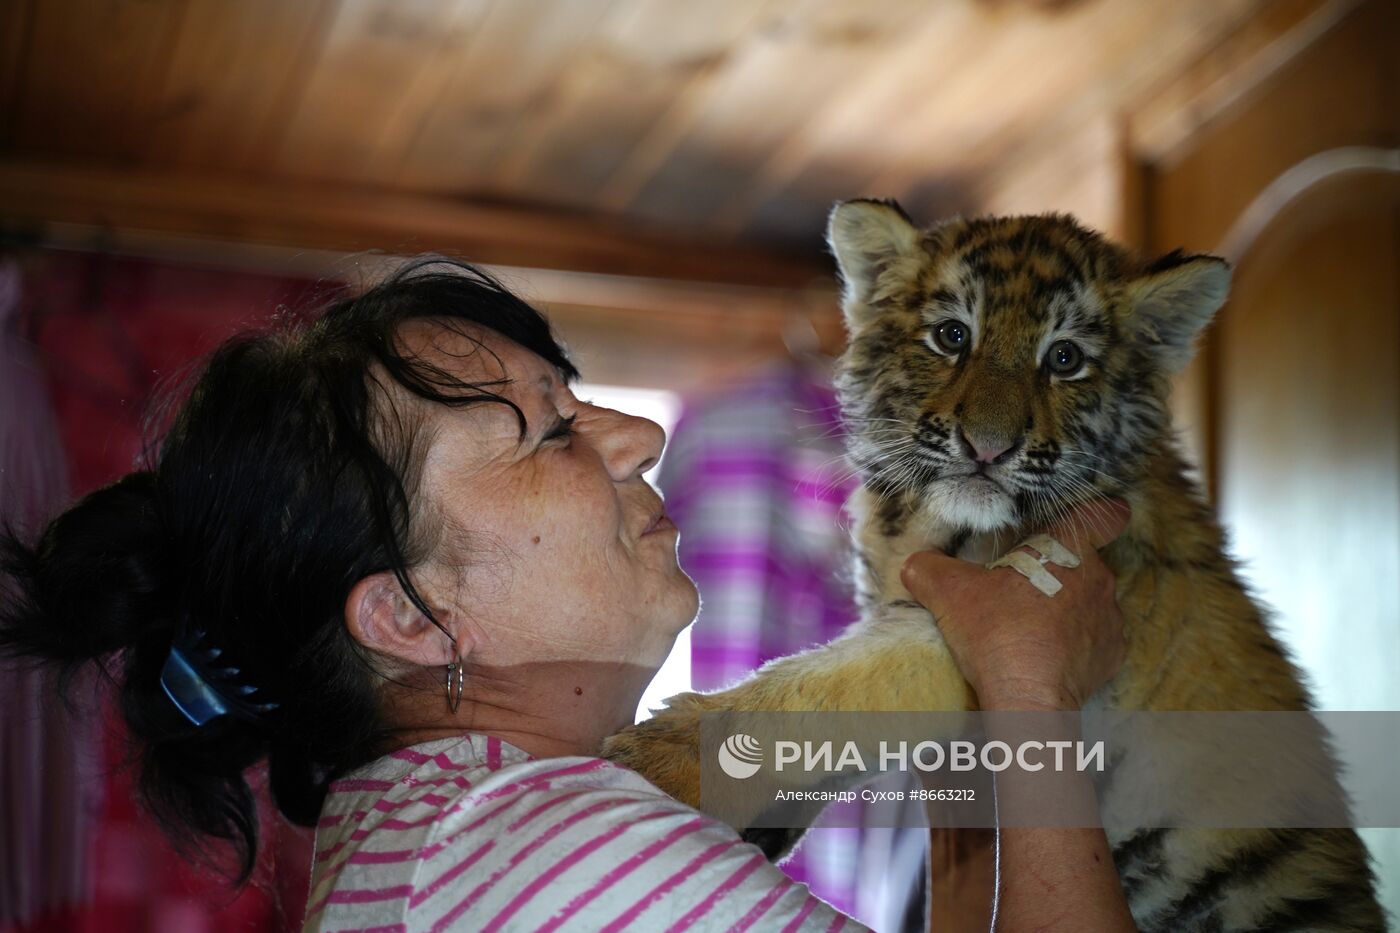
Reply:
x=202 y=691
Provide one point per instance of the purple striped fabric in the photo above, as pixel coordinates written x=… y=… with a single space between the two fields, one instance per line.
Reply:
x=568 y=844
x=756 y=479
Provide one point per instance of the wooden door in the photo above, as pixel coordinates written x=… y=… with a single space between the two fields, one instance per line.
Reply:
x=1295 y=401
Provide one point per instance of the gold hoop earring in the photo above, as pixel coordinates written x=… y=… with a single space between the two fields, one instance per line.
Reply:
x=456 y=679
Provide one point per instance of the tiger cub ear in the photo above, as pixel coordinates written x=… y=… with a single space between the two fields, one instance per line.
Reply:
x=866 y=237
x=1173 y=301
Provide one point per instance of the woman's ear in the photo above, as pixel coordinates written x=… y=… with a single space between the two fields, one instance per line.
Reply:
x=381 y=617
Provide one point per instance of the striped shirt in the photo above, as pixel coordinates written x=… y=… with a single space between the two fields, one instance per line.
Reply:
x=470 y=833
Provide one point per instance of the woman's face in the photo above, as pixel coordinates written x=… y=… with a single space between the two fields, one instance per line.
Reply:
x=554 y=547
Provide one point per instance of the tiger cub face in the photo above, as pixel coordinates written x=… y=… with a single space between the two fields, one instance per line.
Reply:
x=1000 y=369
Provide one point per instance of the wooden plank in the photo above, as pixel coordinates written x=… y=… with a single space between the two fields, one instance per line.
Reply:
x=979 y=96
x=1334 y=93
x=782 y=79
x=1339 y=91
x=656 y=349
x=838 y=140
x=355 y=218
x=87 y=79
x=1079 y=174
x=232 y=67
x=505 y=75
x=395 y=136
x=374 y=53
x=1135 y=181
x=648 y=152
x=1037 y=116
x=641 y=59
x=1162 y=120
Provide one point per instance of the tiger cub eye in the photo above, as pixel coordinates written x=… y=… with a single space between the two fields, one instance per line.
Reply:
x=951 y=336
x=1064 y=358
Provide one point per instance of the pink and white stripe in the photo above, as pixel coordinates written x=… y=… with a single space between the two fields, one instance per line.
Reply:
x=564 y=844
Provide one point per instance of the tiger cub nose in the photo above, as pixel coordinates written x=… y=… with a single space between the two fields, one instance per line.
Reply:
x=988 y=450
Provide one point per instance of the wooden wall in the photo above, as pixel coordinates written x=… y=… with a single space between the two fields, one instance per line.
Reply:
x=1294 y=405
x=730 y=118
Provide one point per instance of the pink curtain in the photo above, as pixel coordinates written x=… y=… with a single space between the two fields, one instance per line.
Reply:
x=755 y=477
x=108 y=329
x=48 y=785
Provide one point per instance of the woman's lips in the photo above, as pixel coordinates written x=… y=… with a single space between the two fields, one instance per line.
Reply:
x=662 y=522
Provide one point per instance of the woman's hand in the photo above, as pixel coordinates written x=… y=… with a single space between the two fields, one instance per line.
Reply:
x=1019 y=648
x=1023 y=650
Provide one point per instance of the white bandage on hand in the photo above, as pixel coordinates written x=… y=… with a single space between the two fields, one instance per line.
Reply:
x=1033 y=568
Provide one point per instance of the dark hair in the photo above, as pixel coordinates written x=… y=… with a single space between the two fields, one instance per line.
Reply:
x=285 y=478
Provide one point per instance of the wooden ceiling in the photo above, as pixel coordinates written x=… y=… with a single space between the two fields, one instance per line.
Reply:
x=712 y=129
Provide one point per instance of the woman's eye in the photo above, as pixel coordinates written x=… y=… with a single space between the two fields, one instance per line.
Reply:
x=564 y=429
x=950 y=337
x=1064 y=358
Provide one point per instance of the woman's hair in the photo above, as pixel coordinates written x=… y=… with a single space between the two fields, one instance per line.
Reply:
x=285 y=478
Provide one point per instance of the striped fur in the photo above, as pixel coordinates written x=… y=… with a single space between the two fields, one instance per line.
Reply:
x=1196 y=641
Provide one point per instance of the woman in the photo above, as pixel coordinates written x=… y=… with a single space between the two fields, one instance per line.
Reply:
x=393 y=555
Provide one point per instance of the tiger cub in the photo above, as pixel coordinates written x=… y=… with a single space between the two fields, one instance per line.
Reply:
x=998 y=370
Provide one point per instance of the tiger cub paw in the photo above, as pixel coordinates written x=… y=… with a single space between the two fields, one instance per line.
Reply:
x=665 y=749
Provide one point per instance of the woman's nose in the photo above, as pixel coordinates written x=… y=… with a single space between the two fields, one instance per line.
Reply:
x=629 y=445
